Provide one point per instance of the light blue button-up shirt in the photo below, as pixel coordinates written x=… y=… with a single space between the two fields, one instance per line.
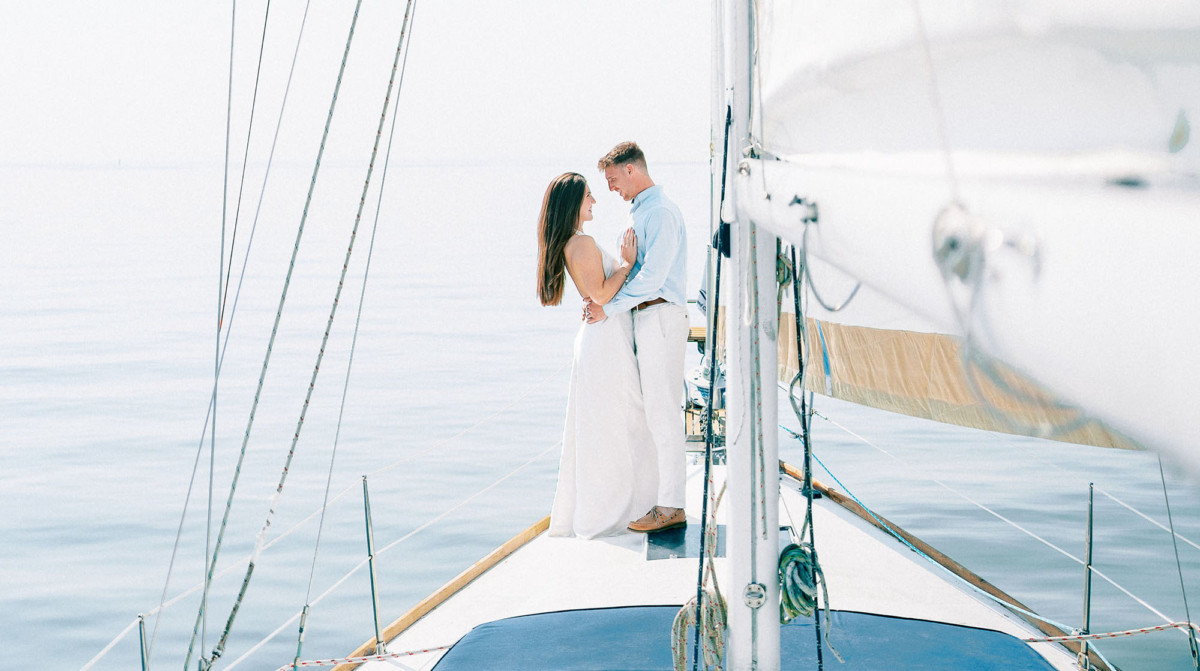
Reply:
x=661 y=267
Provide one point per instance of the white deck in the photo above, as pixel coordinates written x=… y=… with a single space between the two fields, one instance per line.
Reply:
x=867 y=571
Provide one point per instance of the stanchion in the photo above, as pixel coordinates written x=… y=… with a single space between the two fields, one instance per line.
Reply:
x=142 y=641
x=1084 y=661
x=380 y=644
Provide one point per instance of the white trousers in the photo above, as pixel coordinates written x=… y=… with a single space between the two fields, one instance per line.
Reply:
x=660 y=334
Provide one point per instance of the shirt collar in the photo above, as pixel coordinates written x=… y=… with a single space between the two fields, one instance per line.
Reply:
x=646 y=194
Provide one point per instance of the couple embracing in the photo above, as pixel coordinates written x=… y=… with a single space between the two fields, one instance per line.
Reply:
x=623 y=445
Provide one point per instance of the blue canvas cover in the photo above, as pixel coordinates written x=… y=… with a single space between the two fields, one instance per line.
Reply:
x=638 y=638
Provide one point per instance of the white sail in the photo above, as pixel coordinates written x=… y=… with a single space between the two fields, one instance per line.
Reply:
x=1052 y=143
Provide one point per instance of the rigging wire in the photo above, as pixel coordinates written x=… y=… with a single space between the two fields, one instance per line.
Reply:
x=245 y=158
x=895 y=534
x=387 y=547
x=278 y=316
x=212 y=451
x=1113 y=498
x=274 y=500
x=812 y=286
x=225 y=347
x=902 y=539
x=805 y=418
x=409 y=15
x=935 y=99
x=337 y=297
x=164 y=604
x=1179 y=567
x=710 y=349
x=1008 y=521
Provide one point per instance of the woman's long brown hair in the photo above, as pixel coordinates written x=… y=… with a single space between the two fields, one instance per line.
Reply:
x=556 y=225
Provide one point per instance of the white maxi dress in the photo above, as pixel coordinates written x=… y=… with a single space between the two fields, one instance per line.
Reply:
x=608 y=474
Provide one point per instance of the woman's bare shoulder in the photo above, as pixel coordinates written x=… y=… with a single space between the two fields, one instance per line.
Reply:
x=578 y=245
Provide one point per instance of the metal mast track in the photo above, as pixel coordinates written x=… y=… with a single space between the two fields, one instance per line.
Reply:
x=752 y=451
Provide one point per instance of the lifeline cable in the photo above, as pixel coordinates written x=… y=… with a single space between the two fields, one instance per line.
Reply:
x=1011 y=606
x=163 y=605
x=387 y=547
x=887 y=527
x=1004 y=519
x=1113 y=634
x=275 y=328
x=1006 y=438
x=360 y=660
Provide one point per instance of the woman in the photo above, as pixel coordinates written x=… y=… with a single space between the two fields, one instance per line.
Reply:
x=608 y=473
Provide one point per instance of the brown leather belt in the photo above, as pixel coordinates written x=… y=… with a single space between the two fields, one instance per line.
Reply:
x=646 y=304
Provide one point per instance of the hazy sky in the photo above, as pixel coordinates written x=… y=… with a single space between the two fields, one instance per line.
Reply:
x=145 y=82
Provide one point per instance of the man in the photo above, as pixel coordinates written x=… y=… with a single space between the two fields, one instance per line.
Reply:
x=655 y=293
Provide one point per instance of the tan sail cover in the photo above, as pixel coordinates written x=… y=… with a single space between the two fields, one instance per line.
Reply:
x=923 y=375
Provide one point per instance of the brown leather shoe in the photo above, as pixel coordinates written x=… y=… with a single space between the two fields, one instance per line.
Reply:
x=655 y=520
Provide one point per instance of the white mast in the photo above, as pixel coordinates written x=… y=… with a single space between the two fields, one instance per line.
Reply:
x=751 y=433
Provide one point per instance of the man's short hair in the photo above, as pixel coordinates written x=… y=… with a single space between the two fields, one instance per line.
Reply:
x=626 y=152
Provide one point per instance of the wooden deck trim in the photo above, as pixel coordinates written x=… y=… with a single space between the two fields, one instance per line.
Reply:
x=449 y=589
x=954 y=567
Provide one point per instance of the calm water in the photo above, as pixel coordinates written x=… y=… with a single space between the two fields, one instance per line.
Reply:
x=107 y=291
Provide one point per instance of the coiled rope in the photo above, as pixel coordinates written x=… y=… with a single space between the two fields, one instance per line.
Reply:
x=712 y=608
x=712 y=630
x=797 y=588
x=799 y=569
x=799 y=576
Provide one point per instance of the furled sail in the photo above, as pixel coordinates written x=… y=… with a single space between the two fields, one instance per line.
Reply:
x=924 y=375
x=1020 y=180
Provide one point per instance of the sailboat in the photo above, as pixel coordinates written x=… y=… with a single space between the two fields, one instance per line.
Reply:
x=980 y=295
x=928 y=245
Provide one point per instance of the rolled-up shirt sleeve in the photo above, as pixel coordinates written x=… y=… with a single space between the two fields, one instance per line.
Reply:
x=664 y=233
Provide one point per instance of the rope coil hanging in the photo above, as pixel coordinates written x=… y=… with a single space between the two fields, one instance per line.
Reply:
x=800 y=575
x=799 y=569
x=797 y=588
x=712 y=608
x=706 y=612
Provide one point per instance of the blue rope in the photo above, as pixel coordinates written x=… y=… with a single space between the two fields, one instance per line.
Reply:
x=917 y=550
